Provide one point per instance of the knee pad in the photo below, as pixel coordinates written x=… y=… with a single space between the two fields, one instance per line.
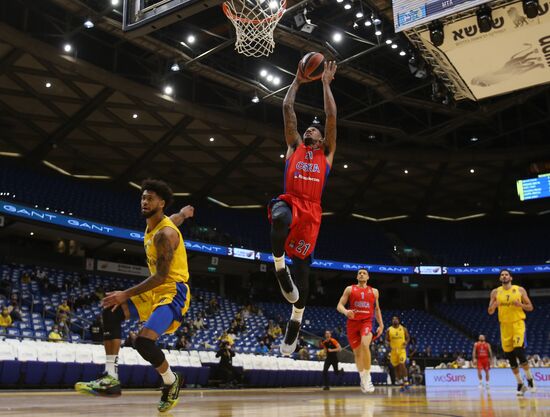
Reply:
x=511 y=356
x=281 y=215
x=520 y=354
x=111 y=323
x=149 y=351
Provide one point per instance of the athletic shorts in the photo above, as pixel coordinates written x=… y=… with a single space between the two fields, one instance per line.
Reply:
x=356 y=329
x=304 y=229
x=512 y=335
x=483 y=363
x=398 y=356
x=162 y=308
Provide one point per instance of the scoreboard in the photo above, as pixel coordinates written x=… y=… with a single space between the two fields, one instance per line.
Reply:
x=533 y=188
x=408 y=14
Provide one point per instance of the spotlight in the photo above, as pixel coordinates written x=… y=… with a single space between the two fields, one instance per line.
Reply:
x=31 y=233
x=359 y=15
x=88 y=24
x=67 y=47
x=175 y=67
x=269 y=77
x=168 y=90
x=484 y=19
x=345 y=166
x=255 y=99
x=402 y=53
x=389 y=41
x=472 y=171
x=115 y=2
x=191 y=39
x=347 y=6
x=263 y=73
x=378 y=32
x=211 y=139
x=531 y=8
x=276 y=80
x=368 y=23
x=474 y=139
x=339 y=1
x=48 y=84
x=437 y=36
x=273 y=5
x=337 y=37
x=394 y=46
x=281 y=156
x=376 y=20
x=406 y=171
x=134 y=116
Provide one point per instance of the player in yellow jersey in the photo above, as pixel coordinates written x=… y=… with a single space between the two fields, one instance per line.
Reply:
x=160 y=301
x=512 y=302
x=397 y=337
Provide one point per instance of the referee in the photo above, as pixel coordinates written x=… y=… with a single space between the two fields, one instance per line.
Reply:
x=332 y=347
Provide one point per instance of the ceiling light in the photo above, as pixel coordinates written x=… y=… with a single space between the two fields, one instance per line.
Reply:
x=134 y=116
x=276 y=80
x=168 y=90
x=124 y=250
x=255 y=99
x=389 y=41
x=48 y=84
x=376 y=20
x=378 y=32
x=406 y=171
x=484 y=19
x=67 y=47
x=473 y=139
x=437 y=35
x=531 y=8
x=337 y=37
x=263 y=73
x=211 y=139
x=269 y=77
x=368 y=22
x=282 y=156
x=394 y=46
x=402 y=53
x=273 y=5
x=347 y=6
x=175 y=67
x=472 y=170
x=339 y=1
x=346 y=166
x=191 y=39
x=359 y=15
x=115 y=2
x=31 y=233
x=88 y=24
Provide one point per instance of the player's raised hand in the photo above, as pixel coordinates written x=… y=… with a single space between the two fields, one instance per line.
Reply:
x=300 y=77
x=350 y=314
x=187 y=212
x=114 y=299
x=328 y=73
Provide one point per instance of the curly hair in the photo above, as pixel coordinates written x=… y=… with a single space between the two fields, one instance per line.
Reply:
x=160 y=188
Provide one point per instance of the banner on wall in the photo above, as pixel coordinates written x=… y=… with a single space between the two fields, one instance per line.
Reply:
x=119 y=268
x=463 y=378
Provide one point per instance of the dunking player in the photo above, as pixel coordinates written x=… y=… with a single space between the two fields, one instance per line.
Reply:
x=363 y=307
x=160 y=301
x=398 y=337
x=296 y=215
x=512 y=302
x=482 y=356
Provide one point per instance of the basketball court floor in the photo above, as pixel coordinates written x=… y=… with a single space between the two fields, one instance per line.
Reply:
x=287 y=402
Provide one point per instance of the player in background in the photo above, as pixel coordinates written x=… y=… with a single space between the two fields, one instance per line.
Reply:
x=364 y=306
x=482 y=356
x=397 y=337
x=331 y=347
x=512 y=302
x=295 y=215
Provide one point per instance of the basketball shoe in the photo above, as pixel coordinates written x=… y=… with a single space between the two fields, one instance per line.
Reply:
x=288 y=346
x=521 y=390
x=288 y=289
x=531 y=384
x=106 y=386
x=366 y=384
x=170 y=395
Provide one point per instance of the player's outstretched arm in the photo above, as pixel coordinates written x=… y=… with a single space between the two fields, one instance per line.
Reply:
x=292 y=136
x=493 y=303
x=526 y=303
x=185 y=213
x=341 y=307
x=330 y=110
x=166 y=241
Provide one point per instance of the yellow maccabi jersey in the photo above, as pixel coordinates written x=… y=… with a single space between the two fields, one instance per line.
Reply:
x=507 y=311
x=179 y=271
x=397 y=337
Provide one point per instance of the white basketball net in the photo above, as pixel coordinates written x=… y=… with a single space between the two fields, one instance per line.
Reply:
x=254 y=21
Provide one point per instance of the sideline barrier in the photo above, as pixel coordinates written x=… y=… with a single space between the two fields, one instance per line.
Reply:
x=463 y=378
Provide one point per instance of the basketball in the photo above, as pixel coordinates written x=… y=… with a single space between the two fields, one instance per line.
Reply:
x=312 y=65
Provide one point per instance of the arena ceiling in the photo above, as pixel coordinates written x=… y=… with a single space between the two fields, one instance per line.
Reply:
x=399 y=151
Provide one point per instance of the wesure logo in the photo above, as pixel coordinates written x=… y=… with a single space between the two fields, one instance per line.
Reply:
x=450 y=378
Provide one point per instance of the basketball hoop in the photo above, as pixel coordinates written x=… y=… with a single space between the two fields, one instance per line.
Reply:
x=254 y=22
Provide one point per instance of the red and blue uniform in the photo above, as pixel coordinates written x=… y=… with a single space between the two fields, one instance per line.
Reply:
x=362 y=302
x=306 y=173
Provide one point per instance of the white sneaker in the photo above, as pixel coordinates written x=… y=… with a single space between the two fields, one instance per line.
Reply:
x=480 y=385
x=532 y=387
x=366 y=384
x=487 y=385
x=521 y=390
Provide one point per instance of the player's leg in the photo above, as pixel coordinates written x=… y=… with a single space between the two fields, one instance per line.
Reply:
x=519 y=351
x=301 y=274
x=487 y=368
x=108 y=384
x=326 y=367
x=479 y=374
x=281 y=219
x=366 y=381
x=403 y=365
x=161 y=319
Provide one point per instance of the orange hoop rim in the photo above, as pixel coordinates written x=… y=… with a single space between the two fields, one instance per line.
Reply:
x=234 y=17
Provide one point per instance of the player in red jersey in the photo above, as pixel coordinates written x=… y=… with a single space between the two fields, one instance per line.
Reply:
x=482 y=355
x=364 y=306
x=295 y=215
